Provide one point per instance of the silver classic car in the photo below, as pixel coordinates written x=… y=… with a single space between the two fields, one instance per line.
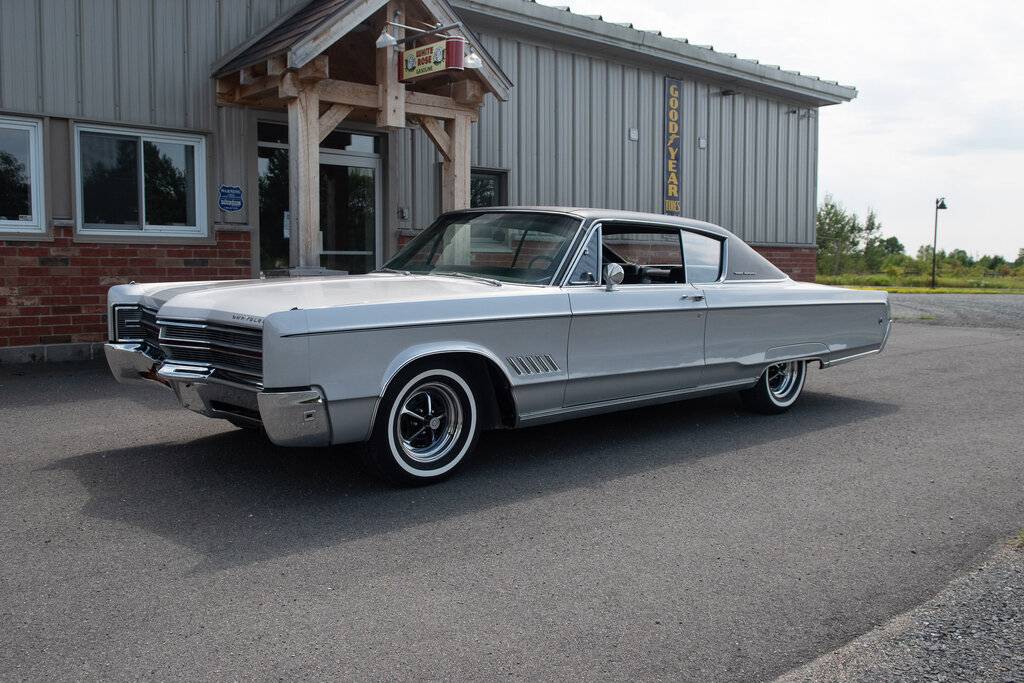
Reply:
x=491 y=319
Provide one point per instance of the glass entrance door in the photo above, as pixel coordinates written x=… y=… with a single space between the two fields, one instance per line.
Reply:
x=349 y=216
x=350 y=196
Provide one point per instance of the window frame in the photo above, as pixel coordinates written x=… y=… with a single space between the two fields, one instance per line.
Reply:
x=37 y=189
x=202 y=227
x=501 y=174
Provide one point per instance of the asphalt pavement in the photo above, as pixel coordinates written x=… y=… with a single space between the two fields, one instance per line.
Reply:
x=690 y=541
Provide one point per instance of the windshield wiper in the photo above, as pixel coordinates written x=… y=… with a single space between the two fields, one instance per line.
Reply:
x=392 y=270
x=468 y=276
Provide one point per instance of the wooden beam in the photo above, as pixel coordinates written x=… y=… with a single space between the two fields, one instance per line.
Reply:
x=343 y=92
x=226 y=85
x=330 y=119
x=434 y=128
x=247 y=75
x=316 y=70
x=304 y=172
x=258 y=86
x=289 y=86
x=276 y=65
x=391 y=91
x=455 y=171
x=469 y=92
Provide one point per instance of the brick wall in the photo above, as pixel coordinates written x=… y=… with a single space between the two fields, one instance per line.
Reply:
x=55 y=292
x=800 y=263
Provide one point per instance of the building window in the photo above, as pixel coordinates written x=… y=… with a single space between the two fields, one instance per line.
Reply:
x=21 y=175
x=488 y=188
x=134 y=181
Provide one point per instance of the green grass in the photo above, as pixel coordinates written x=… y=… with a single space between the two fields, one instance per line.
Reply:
x=919 y=284
x=1018 y=542
x=928 y=290
x=923 y=281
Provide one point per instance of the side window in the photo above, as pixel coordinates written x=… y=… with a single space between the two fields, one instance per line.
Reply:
x=587 y=270
x=647 y=255
x=703 y=257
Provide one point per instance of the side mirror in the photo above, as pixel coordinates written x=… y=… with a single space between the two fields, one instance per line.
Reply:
x=613 y=275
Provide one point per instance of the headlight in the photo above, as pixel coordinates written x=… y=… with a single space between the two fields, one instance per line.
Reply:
x=128 y=323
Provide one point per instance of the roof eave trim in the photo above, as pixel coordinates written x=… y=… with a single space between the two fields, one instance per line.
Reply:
x=654 y=47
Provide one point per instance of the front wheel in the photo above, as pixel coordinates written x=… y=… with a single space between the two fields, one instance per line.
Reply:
x=427 y=423
x=777 y=389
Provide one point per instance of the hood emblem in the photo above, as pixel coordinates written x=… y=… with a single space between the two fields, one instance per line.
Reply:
x=254 y=319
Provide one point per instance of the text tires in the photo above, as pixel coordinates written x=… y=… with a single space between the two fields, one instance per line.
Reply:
x=427 y=423
x=778 y=388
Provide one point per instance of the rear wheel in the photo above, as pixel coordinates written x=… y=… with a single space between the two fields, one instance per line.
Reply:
x=427 y=424
x=777 y=389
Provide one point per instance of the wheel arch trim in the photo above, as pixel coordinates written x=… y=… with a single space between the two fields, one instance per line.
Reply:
x=419 y=352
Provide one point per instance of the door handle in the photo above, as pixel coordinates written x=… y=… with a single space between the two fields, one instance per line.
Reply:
x=693 y=297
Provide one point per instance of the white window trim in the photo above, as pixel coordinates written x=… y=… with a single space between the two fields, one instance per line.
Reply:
x=35 y=149
x=200 y=229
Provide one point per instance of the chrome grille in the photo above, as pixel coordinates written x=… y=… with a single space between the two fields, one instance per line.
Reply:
x=234 y=353
x=136 y=323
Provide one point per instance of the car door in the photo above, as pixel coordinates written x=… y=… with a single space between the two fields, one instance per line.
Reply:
x=642 y=337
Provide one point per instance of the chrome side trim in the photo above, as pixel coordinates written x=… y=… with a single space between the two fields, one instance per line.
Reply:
x=846 y=359
x=426 y=323
x=572 y=412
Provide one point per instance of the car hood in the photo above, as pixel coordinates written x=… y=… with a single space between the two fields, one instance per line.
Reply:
x=247 y=302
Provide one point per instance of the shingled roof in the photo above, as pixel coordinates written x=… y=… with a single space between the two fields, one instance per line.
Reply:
x=308 y=29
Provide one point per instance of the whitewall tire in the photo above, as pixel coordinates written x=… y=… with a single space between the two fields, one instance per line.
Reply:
x=427 y=424
x=777 y=389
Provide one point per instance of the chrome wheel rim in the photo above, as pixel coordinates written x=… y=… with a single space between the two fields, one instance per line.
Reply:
x=429 y=422
x=782 y=377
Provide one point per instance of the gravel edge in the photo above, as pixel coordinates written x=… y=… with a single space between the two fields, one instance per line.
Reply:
x=972 y=630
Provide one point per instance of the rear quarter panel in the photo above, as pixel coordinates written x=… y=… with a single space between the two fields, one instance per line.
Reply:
x=752 y=324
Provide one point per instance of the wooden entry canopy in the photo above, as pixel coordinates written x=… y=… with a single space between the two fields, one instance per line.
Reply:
x=320 y=62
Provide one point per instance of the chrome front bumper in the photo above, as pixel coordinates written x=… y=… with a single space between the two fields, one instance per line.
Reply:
x=290 y=418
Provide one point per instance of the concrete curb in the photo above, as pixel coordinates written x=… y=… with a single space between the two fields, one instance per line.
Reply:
x=50 y=353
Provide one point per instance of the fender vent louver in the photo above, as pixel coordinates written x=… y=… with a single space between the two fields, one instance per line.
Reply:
x=532 y=365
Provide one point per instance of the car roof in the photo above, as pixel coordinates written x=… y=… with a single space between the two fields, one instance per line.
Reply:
x=586 y=213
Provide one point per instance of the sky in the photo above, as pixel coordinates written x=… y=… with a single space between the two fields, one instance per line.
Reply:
x=939 y=110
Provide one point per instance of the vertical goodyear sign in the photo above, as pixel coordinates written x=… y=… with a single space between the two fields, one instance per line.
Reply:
x=671 y=204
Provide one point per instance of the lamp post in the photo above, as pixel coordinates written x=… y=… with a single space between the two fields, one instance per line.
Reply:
x=940 y=203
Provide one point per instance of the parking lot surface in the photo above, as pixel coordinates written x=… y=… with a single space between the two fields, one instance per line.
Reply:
x=690 y=541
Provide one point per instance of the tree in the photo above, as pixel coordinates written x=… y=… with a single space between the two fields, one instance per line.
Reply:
x=870 y=233
x=839 y=235
x=15 y=197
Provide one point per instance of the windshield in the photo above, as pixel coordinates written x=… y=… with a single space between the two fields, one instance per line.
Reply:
x=508 y=246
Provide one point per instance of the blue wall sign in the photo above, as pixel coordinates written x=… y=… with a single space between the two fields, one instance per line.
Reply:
x=230 y=198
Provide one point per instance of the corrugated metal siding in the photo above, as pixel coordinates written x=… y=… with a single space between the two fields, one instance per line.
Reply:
x=130 y=62
x=571 y=114
x=563 y=134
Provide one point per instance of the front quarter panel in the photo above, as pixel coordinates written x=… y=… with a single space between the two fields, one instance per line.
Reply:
x=286 y=354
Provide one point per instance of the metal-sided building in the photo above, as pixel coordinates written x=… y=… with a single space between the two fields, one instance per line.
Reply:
x=157 y=140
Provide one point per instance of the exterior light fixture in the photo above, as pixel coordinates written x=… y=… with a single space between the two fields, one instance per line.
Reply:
x=940 y=205
x=473 y=60
x=385 y=39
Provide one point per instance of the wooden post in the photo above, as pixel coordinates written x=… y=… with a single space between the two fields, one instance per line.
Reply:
x=455 y=167
x=304 y=178
x=391 y=103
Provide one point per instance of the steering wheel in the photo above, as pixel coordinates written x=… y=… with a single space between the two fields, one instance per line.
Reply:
x=549 y=259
